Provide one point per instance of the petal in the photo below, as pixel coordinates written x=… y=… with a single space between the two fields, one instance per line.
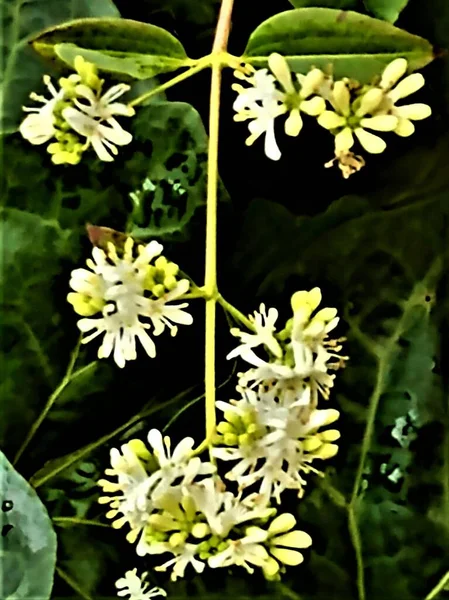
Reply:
x=341 y=97
x=183 y=449
x=415 y=112
x=80 y=122
x=281 y=71
x=331 y=120
x=271 y=148
x=287 y=557
x=293 y=539
x=147 y=343
x=100 y=148
x=344 y=140
x=407 y=86
x=282 y=523
x=370 y=101
x=404 y=128
x=156 y=442
x=114 y=92
x=116 y=134
x=372 y=143
x=393 y=72
x=293 y=124
x=313 y=107
x=311 y=82
x=380 y=122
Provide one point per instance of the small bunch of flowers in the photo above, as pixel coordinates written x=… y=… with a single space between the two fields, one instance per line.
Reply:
x=78 y=115
x=344 y=107
x=123 y=293
x=275 y=430
x=174 y=504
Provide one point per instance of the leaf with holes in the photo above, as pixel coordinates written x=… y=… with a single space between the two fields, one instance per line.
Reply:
x=116 y=46
x=22 y=68
x=27 y=543
x=167 y=169
x=351 y=44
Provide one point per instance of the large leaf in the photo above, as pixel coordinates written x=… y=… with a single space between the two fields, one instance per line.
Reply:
x=386 y=9
x=170 y=181
x=340 y=4
x=352 y=44
x=22 y=69
x=27 y=543
x=119 y=46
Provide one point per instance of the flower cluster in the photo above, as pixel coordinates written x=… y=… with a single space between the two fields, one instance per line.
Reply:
x=344 y=107
x=174 y=504
x=78 y=115
x=275 y=430
x=125 y=292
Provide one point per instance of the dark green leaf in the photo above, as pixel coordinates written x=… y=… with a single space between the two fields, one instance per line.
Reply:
x=389 y=10
x=22 y=70
x=170 y=180
x=27 y=543
x=353 y=45
x=119 y=46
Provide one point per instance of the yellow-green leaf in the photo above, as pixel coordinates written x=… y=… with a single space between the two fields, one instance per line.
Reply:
x=120 y=46
x=349 y=43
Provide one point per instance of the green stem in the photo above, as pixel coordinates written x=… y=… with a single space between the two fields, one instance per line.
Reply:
x=202 y=64
x=61 y=465
x=234 y=312
x=63 y=521
x=357 y=544
x=441 y=585
x=73 y=584
x=68 y=378
x=210 y=279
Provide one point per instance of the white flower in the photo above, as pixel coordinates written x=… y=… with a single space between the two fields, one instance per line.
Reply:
x=38 y=127
x=120 y=289
x=243 y=552
x=264 y=326
x=185 y=557
x=136 y=588
x=179 y=465
x=346 y=119
x=133 y=485
x=298 y=101
x=103 y=107
x=393 y=93
x=222 y=509
x=103 y=138
x=286 y=443
x=262 y=104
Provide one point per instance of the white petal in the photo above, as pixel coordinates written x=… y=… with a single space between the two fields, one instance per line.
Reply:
x=380 y=122
x=372 y=143
x=407 y=86
x=344 y=140
x=405 y=128
x=331 y=120
x=415 y=112
x=271 y=148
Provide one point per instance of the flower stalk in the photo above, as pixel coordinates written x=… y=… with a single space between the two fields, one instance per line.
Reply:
x=210 y=280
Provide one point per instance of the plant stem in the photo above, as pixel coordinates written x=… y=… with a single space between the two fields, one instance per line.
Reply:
x=63 y=521
x=61 y=465
x=202 y=64
x=440 y=586
x=72 y=583
x=234 y=312
x=357 y=544
x=210 y=280
x=68 y=378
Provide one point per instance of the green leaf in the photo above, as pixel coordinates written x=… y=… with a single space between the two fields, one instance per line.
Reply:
x=340 y=4
x=28 y=542
x=353 y=45
x=118 y=46
x=22 y=69
x=389 y=10
x=170 y=181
